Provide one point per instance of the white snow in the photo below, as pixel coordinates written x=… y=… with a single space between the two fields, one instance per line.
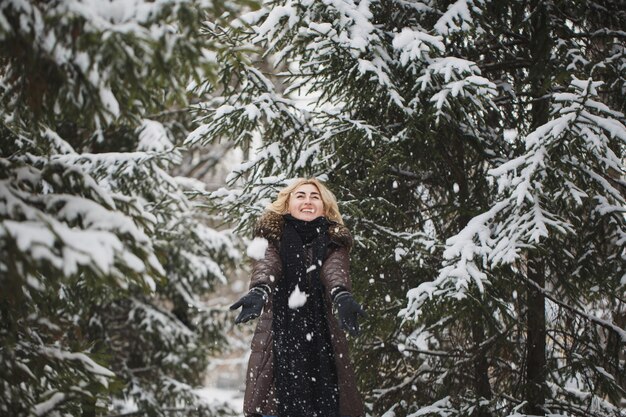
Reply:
x=256 y=248
x=457 y=18
x=510 y=135
x=153 y=137
x=101 y=373
x=110 y=103
x=47 y=406
x=297 y=299
x=442 y=408
x=416 y=45
x=399 y=253
x=272 y=23
x=219 y=397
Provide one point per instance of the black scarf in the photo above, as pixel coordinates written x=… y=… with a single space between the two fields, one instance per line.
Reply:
x=305 y=377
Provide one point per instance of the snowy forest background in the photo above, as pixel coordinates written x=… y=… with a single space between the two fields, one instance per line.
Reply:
x=476 y=146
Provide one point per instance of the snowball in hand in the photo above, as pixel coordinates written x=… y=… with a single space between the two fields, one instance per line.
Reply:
x=256 y=248
x=297 y=299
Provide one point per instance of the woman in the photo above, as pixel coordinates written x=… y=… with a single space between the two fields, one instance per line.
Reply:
x=299 y=365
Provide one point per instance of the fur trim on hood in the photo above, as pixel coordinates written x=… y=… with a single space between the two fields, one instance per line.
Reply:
x=270 y=226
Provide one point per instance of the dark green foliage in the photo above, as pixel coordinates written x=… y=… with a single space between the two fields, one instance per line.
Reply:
x=411 y=107
x=104 y=256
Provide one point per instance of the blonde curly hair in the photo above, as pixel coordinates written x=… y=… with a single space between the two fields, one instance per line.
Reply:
x=331 y=209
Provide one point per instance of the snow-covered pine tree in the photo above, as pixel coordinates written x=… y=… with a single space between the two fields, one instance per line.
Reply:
x=548 y=236
x=103 y=255
x=398 y=128
x=556 y=202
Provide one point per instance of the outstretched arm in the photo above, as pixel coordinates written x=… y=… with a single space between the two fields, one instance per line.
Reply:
x=265 y=272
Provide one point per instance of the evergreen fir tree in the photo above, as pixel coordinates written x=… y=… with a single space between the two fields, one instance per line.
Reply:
x=104 y=256
x=412 y=111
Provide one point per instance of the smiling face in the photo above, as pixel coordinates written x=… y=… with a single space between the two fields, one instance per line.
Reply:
x=305 y=203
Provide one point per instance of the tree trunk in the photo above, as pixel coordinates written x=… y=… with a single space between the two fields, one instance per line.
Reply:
x=536 y=341
x=540 y=45
x=482 y=385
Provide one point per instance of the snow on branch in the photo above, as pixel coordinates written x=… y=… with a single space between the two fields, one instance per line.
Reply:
x=416 y=45
x=69 y=232
x=153 y=137
x=525 y=213
x=455 y=79
x=127 y=32
x=61 y=211
x=354 y=30
x=272 y=24
x=256 y=105
x=159 y=321
x=458 y=17
x=310 y=32
x=442 y=407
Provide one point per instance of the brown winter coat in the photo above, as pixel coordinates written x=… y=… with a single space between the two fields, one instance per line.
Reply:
x=259 y=396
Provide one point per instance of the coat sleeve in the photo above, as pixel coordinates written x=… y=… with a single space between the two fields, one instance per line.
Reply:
x=336 y=270
x=268 y=270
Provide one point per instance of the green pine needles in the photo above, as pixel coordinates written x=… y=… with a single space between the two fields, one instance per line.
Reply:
x=477 y=149
x=104 y=255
